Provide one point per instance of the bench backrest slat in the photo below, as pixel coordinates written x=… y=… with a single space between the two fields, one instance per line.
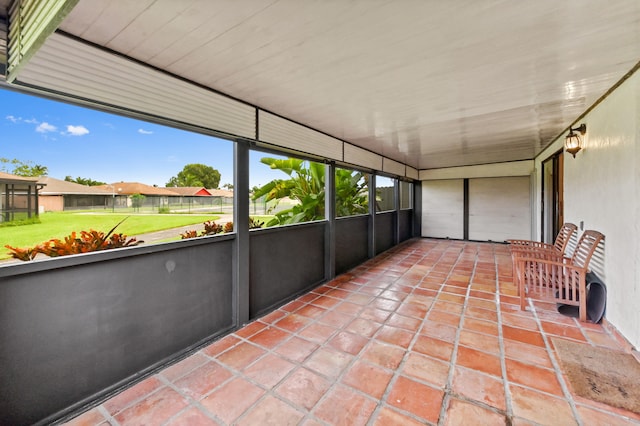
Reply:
x=564 y=236
x=586 y=247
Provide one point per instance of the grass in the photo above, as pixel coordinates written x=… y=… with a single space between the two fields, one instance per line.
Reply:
x=61 y=224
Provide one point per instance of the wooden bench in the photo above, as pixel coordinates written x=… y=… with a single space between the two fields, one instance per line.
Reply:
x=544 y=275
x=539 y=249
x=559 y=245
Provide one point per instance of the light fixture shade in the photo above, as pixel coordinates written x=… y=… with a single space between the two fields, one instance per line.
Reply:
x=573 y=141
x=573 y=144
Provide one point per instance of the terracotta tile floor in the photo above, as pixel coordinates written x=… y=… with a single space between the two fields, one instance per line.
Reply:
x=427 y=333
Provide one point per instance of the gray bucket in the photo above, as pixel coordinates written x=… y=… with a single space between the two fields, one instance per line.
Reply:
x=596 y=300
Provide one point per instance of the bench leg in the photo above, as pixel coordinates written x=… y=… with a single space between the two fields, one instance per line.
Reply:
x=583 y=302
x=521 y=290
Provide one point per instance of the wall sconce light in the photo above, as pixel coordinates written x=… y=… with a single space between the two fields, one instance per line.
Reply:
x=573 y=142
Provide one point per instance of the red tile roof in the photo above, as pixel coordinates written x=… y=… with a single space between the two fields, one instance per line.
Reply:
x=130 y=188
x=190 y=190
x=221 y=193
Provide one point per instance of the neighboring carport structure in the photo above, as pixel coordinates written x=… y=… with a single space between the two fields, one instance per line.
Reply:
x=18 y=197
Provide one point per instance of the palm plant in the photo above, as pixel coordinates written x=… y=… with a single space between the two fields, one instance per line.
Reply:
x=352 y=193
x=306 y=185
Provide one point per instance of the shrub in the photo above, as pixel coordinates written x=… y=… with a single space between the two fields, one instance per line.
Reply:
x=88 y=241
x=24 y=254
x=20 y=222
x=255 y=223
x=212 y=228
x=189 y=234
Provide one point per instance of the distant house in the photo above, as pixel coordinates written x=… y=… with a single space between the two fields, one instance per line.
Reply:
x=59 y=195
x=223 y=199
x=154 y=196
x=18 y=197
x=197 y=198
x=224 y=193
x=131 y=188
x=190 y=191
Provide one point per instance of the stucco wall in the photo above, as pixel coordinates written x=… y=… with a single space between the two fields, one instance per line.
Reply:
x=51 y=203
x=443 y=201
x=601 y=188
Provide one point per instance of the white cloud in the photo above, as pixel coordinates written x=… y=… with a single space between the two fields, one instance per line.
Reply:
x=145 y=132
x=77 y=130
x=13 y=119
x=45 y=127
x=31 y=121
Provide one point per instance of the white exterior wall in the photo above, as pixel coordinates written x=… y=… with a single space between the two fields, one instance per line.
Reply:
x=499 y=208
x=602 y=188
x=443 y=201
x=443 y=209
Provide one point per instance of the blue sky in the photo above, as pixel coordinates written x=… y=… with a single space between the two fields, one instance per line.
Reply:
x=80 y=142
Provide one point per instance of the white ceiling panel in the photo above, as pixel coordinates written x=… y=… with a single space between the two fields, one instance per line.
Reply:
x=412 y=173
x=363 y=158
x=287 y=134
x=429 y=84
x=394 y=167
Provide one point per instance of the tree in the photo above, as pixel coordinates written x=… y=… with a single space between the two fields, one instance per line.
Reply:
x=84 y=181
x=23 y=168
x=137 y=200
x=196 y=175
x=228 y=186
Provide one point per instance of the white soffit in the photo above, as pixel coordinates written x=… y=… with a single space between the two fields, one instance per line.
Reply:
x=513 y=168
x=362 y=157
x=80 y=70
x=390 y=166
x=284 y=133
x=31 y=22
x=412 y=173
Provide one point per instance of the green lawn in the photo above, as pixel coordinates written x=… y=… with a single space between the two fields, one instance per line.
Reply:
x=61 y=224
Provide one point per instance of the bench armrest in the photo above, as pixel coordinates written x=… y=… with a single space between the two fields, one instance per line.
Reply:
x=564 y=263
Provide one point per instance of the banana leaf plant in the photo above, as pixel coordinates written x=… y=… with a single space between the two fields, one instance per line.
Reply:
x=306 y=185
x=352 y=192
